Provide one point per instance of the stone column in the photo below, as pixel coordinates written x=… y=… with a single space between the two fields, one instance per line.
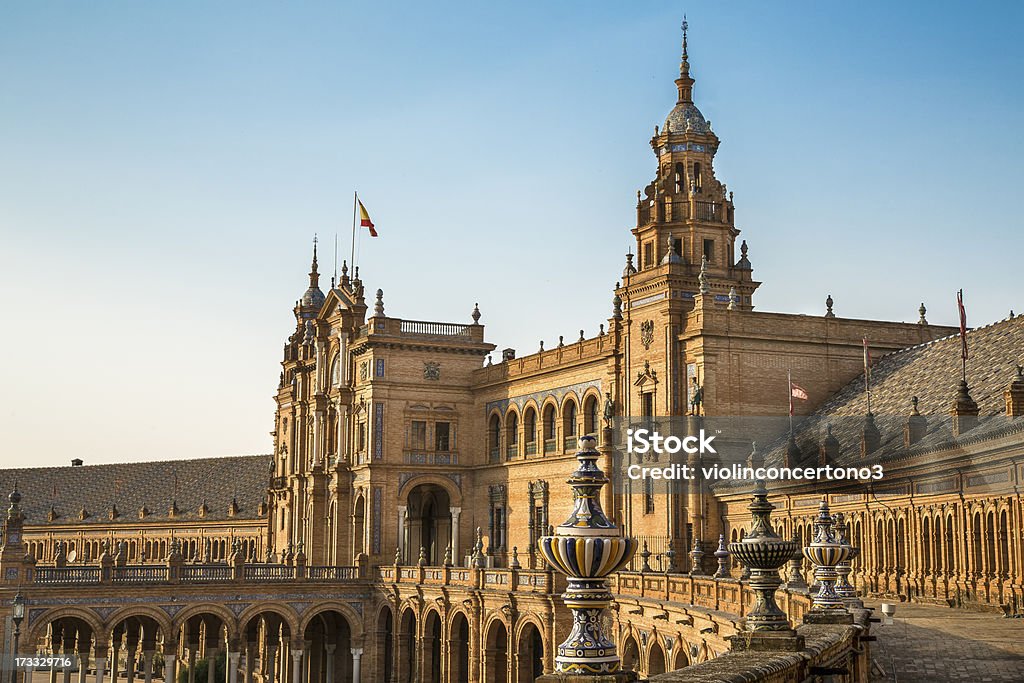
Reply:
x=211 y=664
x=133 y=643
x=233 y=666
x=83 y=666
x=192 y=662
x=147 y=663
x=250 y=655
x=401 y=529
x=357 y=656
x=297 y=665
x=456 y=513
x=170 y=668
x=307 y=660
x=100 y=656
x=329 y=648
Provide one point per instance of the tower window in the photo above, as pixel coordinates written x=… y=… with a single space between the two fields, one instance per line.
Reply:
x=648 y=404
x=697 y=175
x=648 y=255
x=680 y=174
x=677 y=246
x=419 y=434
x=709 y=250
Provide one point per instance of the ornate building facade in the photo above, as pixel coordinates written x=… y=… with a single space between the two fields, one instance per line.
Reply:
x=392 y=534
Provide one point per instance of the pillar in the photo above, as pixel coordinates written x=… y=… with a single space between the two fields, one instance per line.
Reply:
x=456 y=513
x=211 y=664
x=147 y=663
x=191 y=663
x=233 y=666
x=307 y=658
x=357 y=657
x=170 y=668
x=250 y=656
x=114 y=660
x=83 y=665
x=401 y=529
x=297 y=665
x=329 y=648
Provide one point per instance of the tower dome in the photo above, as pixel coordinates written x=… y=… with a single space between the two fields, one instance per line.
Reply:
x=313 y=298
x=685 y=116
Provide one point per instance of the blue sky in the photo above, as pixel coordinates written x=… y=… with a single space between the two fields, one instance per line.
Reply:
x=164 y=167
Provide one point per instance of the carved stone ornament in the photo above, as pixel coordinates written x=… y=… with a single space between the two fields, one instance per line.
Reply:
x=432 y=370
x=364 y=371
x=647 y=333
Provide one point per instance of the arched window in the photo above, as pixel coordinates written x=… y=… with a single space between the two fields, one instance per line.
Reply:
x=512 y=434
x=590 y=416
x=680 y=176
x=697 y=178
x=494 y=437
x=569 y=424
x=549 y=428
x=530 y=431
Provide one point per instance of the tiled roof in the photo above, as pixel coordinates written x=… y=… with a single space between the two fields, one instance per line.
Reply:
x=130 y=486
x=932 y=372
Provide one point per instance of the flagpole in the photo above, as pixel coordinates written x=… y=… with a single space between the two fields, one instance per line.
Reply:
x=789 y=378
x=867 y=375
x=355 y=202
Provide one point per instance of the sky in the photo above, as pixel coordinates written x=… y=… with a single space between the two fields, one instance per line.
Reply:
x=165 y=166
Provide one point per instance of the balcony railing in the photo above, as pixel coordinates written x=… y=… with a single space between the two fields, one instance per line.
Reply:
x=495 y=454
x=512 y=450
x=531 y=448
x=549 y=445
x=269 y=572
x=205 y=573
x=433 y=329
x=67 y=575
x=139 y=574
x=569 y=443
x=431 y=458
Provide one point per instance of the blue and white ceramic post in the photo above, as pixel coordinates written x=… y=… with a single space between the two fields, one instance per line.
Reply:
x=587 y=547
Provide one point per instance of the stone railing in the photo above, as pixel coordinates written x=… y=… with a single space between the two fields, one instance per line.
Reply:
x=829 y=650
x=191 y=573
x=505 y=580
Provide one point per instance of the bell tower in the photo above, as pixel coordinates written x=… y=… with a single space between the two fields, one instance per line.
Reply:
x=685 y=217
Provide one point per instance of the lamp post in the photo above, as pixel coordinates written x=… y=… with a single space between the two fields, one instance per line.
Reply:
x=17 y=614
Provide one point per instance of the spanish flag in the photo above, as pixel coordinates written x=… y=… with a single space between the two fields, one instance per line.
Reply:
x=364 y=219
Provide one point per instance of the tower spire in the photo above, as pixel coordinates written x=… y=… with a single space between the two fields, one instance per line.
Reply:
x=314 y=273
x=684 y=84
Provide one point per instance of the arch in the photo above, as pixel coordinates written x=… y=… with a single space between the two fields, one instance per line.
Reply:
x=629 y=653
x=328 y=632
x=454 y=494
x=529 y=652
x=88 y=617
x=681 y=659
x=225 y=615
x=428 y=523
x=163 y=621
x=287 y=614
x=495 y=661
x=591 y=408
x=355 y=621
x=550 y=419
x=512 y=432
x=385 y=637
x=530 y=429
x=570 y=420
x=458 y=650
x=431 y=644
x=494 y=436
x=655 y=658
x=405 y=664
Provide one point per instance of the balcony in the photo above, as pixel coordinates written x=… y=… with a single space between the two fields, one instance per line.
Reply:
x=569 y=443
x=531 y=448
x=418 y=457
x=549 y=445
x=511 y=451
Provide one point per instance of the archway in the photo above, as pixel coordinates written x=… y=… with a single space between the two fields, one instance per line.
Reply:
x=496 y=654
x=385 y=643
x=358 y=527
x=203 y=638
x=458 y=649
x=267 y=642
x=630 y=654
x=655 y=660
x=405 y=662
x=529 y=654
x=682 y=658
x=431 y=645
x=430 y=521
x=327 y=655
x=141 y=649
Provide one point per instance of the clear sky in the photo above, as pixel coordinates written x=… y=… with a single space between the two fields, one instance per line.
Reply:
x=163 y=167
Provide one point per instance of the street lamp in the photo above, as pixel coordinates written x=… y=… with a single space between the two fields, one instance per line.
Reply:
x=17 y=614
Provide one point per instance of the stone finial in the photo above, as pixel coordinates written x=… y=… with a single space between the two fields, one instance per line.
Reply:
x=697 y=558
x=447 y=556
x=1014 y=394
x=541 y=349
x=744 y=262
x=630 y=269
x=114 y=512
x=398 y=556
x=916 y=425
x=617 y=307
x=734 y=299
x=702 y=278
x=871 y=438
x=475 y=315
x=825 y=552
x=479 y=560
x=670 y=253
x=645 y=555
x=844 y=589
x=172 y=512
x=793 y=453
x=965 y=410
x=514 y=564
x=828 y=307
x=378 y=306
x=922 y=310
x=601 y=330
x=829 y=453
x=795 y=579
x=755 y=459
x=722 y=555
x=561 y=341
x=587 y=548
x=763 y=552
x=422 y=561
x=581 y=336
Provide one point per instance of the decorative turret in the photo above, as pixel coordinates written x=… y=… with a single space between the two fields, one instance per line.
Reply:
x=916 y=425
x=313 y=298
x=829 y=452
x=965 y=410
x=1014 y=394
x=825 y=552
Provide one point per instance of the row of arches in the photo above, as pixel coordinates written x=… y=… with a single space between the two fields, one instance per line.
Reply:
x=431 y=647
x=193 y=549
x=656 y=657
x=550 y=427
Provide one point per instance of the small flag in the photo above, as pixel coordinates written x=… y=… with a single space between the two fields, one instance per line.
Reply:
x=799 y=392
x=963 y=324
x=364 y=219
x=795 y=391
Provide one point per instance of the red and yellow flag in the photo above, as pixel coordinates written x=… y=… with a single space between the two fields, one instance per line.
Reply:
x=364 y=219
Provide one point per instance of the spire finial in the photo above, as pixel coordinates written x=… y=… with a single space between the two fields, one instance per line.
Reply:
x=314 y=273
x=685 y=26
